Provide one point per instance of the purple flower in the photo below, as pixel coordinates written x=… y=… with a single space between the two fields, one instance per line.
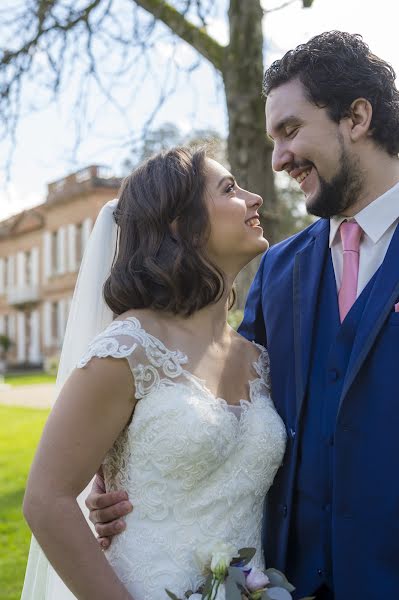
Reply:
x=256 y=580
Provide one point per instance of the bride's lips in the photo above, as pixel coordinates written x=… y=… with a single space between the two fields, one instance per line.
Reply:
x=253 y=222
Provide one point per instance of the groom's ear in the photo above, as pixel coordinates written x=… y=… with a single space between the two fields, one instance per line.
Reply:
x=359 y=119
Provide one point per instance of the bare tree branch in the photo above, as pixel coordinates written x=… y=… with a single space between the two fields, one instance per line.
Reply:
x=187 y=31
x=267 y=11
x=305 y=4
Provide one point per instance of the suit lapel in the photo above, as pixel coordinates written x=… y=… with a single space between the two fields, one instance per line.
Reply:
x=306 y=281
x=380 y=303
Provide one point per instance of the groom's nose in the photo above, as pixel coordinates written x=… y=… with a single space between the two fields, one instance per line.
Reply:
x=282 y=156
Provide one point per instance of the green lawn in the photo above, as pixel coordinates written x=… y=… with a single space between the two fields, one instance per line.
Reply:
x=20 y=430
x=28 y=378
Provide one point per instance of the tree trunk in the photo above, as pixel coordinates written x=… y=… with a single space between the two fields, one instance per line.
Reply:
x=249 y=152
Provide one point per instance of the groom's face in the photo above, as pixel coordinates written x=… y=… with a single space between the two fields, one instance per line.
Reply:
x=312 y=149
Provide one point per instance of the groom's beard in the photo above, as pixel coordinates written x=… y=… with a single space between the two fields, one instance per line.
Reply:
x=342 y=192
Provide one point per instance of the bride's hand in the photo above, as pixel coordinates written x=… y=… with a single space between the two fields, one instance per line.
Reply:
x=107 y=510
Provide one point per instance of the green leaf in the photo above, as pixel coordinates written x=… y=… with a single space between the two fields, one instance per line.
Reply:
x=236 y=574
x=244 y=556
x=231 y=587
x=277 y=578
x=172 y=595
x=279 y=593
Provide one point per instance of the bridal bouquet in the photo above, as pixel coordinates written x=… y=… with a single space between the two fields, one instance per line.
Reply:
x=229 y=577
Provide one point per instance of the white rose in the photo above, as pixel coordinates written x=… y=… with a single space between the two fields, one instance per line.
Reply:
x=204 y=556
x=195 y=597
x=208 y=555
x=222 y=555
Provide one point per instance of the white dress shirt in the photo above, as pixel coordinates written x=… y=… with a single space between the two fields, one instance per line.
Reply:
x=378 y=221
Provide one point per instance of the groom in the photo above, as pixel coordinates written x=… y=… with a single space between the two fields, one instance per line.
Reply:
x=325 y=302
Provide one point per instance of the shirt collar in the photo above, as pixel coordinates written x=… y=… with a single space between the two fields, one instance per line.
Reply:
x=375 y=218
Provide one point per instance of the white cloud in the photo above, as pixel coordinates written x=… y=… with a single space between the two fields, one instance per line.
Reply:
x=377 y=23
x=14 y=200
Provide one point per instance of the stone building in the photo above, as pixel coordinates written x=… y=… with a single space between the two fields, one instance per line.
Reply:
x=40 y=254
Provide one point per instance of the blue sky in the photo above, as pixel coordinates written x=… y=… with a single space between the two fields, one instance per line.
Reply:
x=45 y=148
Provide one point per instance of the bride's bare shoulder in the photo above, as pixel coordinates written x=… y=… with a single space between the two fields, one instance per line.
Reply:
x=244 y=347
x=150 y=321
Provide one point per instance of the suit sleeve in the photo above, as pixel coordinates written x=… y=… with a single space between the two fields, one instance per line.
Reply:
x=253 y=325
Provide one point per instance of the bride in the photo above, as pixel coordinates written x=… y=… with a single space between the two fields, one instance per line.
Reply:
x=170 y=400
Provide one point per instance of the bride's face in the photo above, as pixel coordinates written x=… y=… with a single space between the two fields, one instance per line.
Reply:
x=236 y=235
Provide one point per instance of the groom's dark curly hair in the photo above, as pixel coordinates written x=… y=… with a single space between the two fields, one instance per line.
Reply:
x=335 y=68
x=160 y=260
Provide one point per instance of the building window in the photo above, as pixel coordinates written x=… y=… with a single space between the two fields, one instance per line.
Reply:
x=79 y=243
x=28 y=268
x=54 y=252
x=54 y=323
x=5 y=273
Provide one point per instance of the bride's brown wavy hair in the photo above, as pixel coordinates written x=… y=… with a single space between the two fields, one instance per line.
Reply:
x=163 y=225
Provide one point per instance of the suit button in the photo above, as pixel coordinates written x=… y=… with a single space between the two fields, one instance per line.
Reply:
x=284 y=510
x=333 y=374
x=327 y=507
x=320 y=572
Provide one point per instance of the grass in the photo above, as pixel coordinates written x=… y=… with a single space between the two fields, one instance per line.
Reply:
x=15 y=379
x=20 y=429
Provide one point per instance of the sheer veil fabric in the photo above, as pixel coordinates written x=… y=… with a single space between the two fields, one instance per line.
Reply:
x=88 y=316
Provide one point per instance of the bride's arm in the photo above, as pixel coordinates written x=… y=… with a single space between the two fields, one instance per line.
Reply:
x=92 y=409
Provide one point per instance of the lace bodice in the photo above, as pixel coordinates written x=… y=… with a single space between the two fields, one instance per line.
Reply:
x=195 y=471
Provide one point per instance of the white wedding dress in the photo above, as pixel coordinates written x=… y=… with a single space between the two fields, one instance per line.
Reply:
x=195 y=471
x=195 y=468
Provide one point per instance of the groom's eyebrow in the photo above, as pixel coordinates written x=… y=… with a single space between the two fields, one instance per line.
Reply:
x=282 y=124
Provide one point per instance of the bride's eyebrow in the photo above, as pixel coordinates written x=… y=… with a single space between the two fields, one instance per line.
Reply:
x=224 y=179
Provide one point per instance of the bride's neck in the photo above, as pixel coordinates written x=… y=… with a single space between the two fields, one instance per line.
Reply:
x=209 y=323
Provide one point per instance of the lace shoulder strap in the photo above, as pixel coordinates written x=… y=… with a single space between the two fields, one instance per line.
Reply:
x=262 y=368
x=118 y=340
x=152 y=364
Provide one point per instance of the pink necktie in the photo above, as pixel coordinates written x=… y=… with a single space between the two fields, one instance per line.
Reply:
x=350 y=236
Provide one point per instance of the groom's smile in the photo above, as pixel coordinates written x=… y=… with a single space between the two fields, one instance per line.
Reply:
x=308 y=145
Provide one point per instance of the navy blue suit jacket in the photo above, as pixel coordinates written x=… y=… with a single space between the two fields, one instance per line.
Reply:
x=365 y=505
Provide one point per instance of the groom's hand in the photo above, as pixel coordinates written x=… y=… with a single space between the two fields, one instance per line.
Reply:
x=107 y=510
